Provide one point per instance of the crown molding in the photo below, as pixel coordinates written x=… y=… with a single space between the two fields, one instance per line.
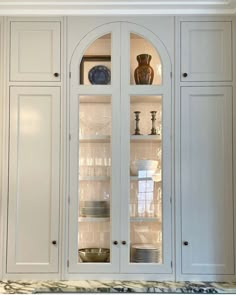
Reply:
x=122 y=7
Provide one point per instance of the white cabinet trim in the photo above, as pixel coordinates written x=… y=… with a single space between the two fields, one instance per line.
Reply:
x=79 y=7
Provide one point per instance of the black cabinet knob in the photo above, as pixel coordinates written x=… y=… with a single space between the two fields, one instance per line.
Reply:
x=123 y=242
x=54 y=242
x=185 y=243
x=185 y=75
x=115 y=243
x=56 y=74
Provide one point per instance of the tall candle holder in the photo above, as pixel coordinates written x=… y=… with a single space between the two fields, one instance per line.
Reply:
x=137 y=119
x=153 y=130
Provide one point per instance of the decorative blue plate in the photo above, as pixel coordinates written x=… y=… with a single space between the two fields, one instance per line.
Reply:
x=99 y=75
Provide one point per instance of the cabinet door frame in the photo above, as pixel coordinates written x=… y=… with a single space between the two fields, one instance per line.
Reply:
x=2 y=90
x=112 y=90
x=53 y=265
x=128 y=90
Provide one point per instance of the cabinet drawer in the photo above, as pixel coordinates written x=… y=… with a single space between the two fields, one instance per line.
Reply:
x=206 y=51
x=35 y=51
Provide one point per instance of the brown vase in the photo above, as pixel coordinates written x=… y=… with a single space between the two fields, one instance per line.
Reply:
x=144 y=73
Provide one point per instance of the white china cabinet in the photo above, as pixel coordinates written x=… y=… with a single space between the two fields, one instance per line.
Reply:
x=108 y=178
x=116 y=205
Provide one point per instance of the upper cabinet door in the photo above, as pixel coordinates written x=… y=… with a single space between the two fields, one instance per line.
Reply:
x=206 y=51
x=35 y=51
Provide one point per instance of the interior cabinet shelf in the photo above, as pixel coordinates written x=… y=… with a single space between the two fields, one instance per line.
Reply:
x=136 y=178
x=145 y=219
x=148 y=98
x=95 y=138
x=94 y=219
x=145 y=138
x=94 y=178
x=107 y=138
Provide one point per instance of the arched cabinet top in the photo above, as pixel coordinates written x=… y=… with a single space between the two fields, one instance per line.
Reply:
x=121 y=33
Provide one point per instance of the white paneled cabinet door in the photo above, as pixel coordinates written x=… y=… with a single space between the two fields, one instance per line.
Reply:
x=206 y=180
x=35 y=51
x=206 y=51
x=34 y=154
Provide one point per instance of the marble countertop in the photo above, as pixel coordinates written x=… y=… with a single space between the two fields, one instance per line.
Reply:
x=32 y=287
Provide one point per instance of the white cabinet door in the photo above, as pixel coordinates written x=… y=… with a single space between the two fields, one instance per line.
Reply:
x=35 y=51
x=34 y=165
x=206 y=51
x=206 y=180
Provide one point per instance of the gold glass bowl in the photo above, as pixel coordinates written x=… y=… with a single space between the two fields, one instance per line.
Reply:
x=94 y=254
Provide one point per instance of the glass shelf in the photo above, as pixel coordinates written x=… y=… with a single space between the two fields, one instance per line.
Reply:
x=145 y=219
x=155 y=178
x=94 y=219
x=95 y=138
x=145 y=138
x=94 y=178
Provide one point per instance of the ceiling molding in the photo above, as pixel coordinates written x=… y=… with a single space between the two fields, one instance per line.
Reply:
x=122 y=7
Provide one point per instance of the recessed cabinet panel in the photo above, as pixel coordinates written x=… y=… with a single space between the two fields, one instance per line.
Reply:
x=34 y=157
x=35 y=51
x=206 y=51
x=206 y=181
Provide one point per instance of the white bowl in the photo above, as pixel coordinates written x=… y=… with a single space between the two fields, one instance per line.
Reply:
x=143 y=165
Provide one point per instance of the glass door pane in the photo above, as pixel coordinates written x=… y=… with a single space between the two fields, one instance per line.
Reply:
x=94 y=196
x=146 y=179
x=145 y=62
x=95 y=66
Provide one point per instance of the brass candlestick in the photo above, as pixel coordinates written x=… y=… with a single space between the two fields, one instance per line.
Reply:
x=137 y=119
x=153 y=130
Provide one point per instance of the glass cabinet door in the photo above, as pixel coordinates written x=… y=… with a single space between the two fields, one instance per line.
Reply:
x=120 y=153
x=147 y=166
x=93 y=113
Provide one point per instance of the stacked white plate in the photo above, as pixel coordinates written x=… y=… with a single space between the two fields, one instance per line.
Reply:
x=145 y=253
x=95 y=209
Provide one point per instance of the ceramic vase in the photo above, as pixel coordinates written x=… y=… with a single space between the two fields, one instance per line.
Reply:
x=144 y=73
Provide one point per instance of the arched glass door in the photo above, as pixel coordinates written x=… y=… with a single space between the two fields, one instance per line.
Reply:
x=94 y=146
x=146 y=132
x=120 y=153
